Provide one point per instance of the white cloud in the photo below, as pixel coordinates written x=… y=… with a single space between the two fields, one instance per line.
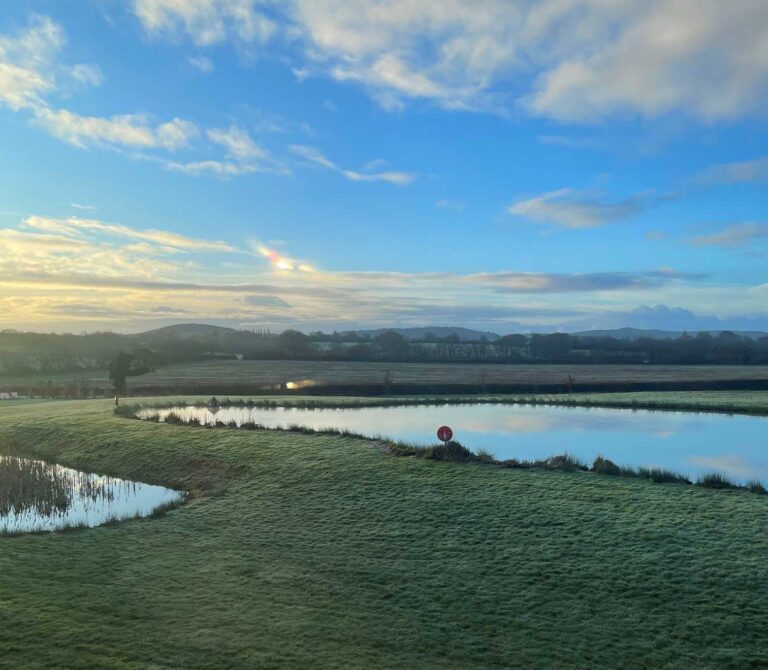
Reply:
x=125 y=130
x=176 y=134
x=88 y=75
x=206 y=22
x=219 y=168
x=27 y=63
x=570 y=208
x=573 y=60
x=705 y=57
x=312 y=155
x=238 y=144
x=29 y=72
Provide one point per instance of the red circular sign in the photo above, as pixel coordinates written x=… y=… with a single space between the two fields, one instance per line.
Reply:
x=444 y=433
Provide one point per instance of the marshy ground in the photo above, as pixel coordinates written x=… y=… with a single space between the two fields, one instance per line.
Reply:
x=320 y=551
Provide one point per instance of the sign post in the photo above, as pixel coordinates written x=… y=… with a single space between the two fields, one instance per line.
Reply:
x=445 y=434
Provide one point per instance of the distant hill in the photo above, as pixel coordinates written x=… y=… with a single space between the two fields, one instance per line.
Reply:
x=637 y=333
x=205 y=337
x=464 y=334
x=187 y=331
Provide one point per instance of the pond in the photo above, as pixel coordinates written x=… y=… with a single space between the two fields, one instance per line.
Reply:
x=688 y=443
x=38 y=496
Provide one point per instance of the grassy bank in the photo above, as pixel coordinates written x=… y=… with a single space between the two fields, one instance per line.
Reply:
x=320 y=551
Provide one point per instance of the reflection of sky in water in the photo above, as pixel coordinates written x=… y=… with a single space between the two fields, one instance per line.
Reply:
x=685 y=442
x=118 y=499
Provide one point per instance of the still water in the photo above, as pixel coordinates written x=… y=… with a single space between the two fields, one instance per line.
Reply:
x=39 y=496
x=685 y=442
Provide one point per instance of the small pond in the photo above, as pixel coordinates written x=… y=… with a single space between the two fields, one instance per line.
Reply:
x=38 y=496
x=688 y=443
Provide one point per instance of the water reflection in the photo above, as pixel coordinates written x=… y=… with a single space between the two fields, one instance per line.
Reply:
x=689 y=443
x=39 y=496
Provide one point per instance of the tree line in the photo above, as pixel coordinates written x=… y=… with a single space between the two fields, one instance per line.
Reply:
x=31 y=353
x=702 y=348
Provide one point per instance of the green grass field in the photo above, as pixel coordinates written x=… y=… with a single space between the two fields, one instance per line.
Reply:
x=310 y=551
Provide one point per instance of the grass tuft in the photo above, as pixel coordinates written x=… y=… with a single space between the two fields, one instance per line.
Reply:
x=662 y=476
x=485 y=456
x=450 y=451
x=603 y=466
x=715 y=480
x=566 y=462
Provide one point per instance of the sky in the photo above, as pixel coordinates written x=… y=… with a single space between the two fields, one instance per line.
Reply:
x=506 y=165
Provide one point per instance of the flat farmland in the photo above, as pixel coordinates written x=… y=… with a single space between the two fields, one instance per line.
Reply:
x=305 y=374
x=252 y=376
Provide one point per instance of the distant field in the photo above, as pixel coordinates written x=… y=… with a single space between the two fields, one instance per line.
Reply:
x=246 y=375
x=93 y=377
x=325 y=372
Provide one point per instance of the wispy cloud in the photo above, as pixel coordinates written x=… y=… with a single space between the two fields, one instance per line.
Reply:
x=219 y=168
x=532 y=282
x=27 y=63
x=238 y=144
x=206 y=22
x=569 y=208
x=53 y=262
x=455 y=205
x=78 y=205
x=202 y=64
x=734 y=236
x=125 y=130
x=243 y=152
x=313 y=155
x=732 y=173
x=30 y=73
x=76 y=226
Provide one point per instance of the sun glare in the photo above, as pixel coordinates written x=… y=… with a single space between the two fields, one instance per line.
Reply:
x=281 y=262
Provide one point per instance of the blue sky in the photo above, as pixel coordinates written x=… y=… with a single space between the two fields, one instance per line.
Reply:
x=321 y=164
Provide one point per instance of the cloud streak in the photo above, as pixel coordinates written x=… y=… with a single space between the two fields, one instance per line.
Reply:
x=206 y=22
x=74 y=226
x=734 y=236
x=569 y=208
x=314 y=156
x=734 y=173
x=133 y=131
